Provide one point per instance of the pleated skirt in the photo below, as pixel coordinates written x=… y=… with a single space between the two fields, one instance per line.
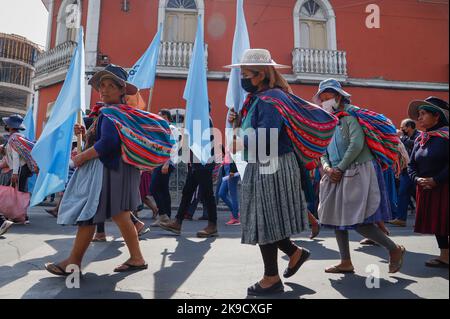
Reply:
x=273 y=204
x=432 y=210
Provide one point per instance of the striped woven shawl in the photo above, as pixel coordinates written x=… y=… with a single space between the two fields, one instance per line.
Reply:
x=380 y=135
x=308 y=126
x=146 y=138
x=424 y=137
x=23 y=147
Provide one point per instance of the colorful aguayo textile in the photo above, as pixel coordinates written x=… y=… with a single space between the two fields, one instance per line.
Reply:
x=424 y=137
x=309 y=127
x=23 y=146
x=146 y=138
x=381 y=136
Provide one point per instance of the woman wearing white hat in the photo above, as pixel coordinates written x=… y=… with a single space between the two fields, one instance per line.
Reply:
x=273 y=204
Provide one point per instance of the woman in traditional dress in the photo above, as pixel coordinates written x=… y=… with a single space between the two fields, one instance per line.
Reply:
x=352 y=191
x=121 y=141
x=428 y=169
x=273 y=205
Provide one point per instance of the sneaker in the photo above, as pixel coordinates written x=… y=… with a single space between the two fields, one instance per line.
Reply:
x=161 y=219
x=173 y=226
x=5 y=226
x=187 y=217
x=233 y=222
x=209 y=231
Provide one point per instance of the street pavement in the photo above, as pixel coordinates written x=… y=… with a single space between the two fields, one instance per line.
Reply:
x=185 y=267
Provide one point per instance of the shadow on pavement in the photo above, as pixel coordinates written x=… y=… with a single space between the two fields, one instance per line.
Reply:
x=185 y=259
x=92 y=286
x=353 y=286
x=413 y=264
x=21 y=269
x=296 y=292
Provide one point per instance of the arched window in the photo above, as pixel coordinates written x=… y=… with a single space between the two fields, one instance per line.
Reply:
x=68 y=22
x=179 y=19
x=314 y=25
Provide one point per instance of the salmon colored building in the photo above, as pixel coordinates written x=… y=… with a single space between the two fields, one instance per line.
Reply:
x=385 y=54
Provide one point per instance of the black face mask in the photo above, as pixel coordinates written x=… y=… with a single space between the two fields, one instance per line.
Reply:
x=248 y=86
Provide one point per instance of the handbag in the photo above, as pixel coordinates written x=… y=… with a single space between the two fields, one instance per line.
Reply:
x=14 y=204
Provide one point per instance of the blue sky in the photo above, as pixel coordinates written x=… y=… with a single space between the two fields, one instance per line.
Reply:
x=27 y=18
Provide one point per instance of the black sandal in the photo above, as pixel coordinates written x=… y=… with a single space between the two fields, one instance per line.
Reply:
x=56 y=270
x=257 y=290
x=131 y=268
x=289 y=272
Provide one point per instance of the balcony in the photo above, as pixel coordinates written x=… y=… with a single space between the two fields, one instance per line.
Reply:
x=55 y=59
x=319 y=63
x=176 y=56
x=174 y=60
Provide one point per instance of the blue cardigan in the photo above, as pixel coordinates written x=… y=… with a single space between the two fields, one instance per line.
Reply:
x=431 y=160
x=267 y=116
x=107 y=143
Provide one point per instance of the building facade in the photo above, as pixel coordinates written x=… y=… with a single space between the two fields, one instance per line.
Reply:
x=383 y=62
x=17 y=59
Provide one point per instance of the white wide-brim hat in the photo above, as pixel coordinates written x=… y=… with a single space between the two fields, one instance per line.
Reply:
x=257 y=57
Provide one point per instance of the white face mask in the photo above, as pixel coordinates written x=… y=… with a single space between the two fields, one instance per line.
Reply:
x=330 y=105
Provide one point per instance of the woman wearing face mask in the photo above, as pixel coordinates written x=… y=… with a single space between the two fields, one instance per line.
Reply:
x=428 y=169
x=273 y=206
x=352 y=191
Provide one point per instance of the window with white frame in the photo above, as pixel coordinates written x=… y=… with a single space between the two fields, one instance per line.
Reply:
x=179 y=18
x=68 y=21
x=314 y=25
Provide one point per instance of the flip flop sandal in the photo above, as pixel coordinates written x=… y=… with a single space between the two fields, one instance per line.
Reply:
x=56 y=270
x=436 y=263
x=143 y=231
x=395 y=267
x=130 y=268
x=337 y=270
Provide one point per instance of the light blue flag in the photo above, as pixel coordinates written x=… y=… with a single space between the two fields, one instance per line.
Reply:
x=28 y=121
x=196 y=96
x=235 y=93
x=143 y=72
x=30 y=134
x=52 y=150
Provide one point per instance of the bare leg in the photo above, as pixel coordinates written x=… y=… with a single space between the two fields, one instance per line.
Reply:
x=130 y=235
x=315 y=227
x=444 y=256
x=81 y=244
x=152 y=205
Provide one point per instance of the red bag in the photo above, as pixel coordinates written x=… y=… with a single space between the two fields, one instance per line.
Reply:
x=13 y=204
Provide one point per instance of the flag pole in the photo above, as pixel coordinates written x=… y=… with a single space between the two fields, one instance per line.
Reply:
x=150 y=97
x=79 y=136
